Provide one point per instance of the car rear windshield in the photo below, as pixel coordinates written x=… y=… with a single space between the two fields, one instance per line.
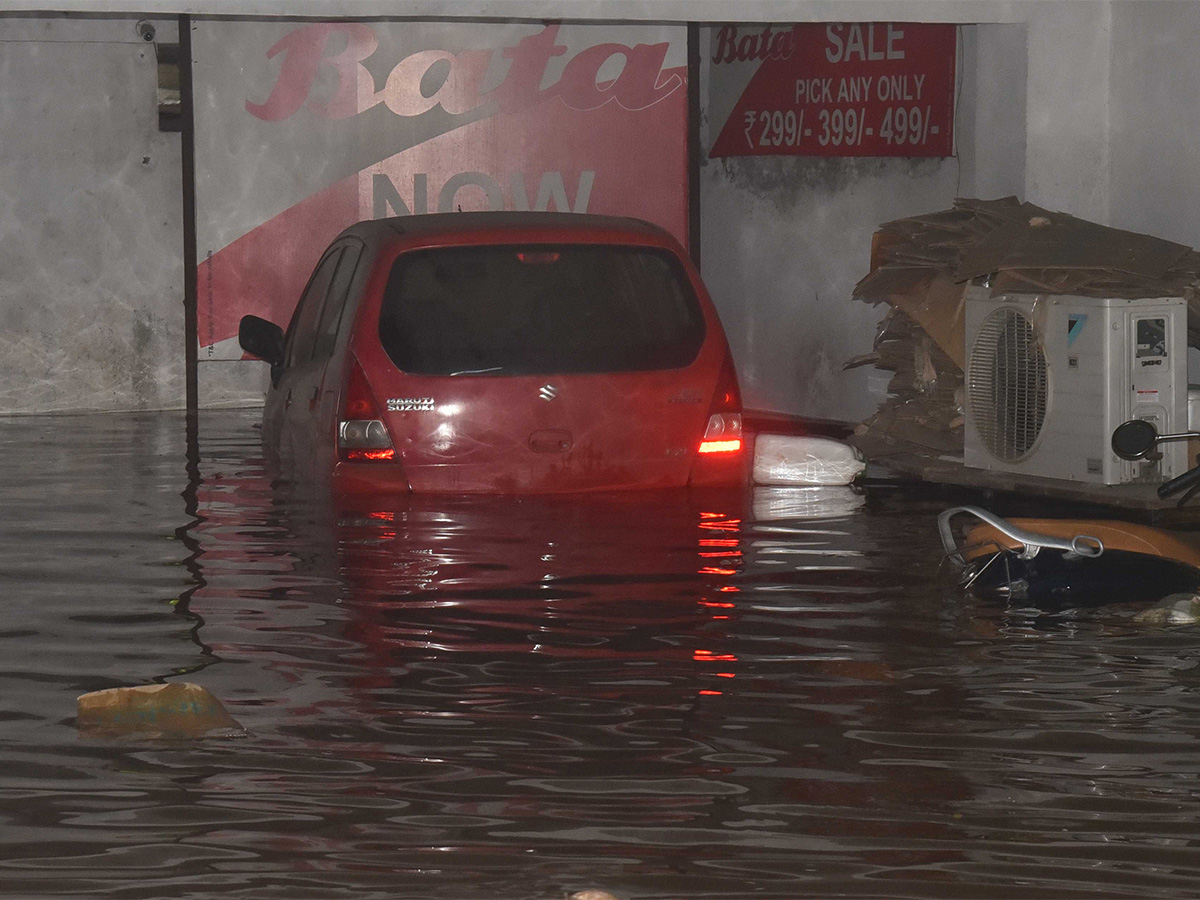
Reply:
x=521 y=310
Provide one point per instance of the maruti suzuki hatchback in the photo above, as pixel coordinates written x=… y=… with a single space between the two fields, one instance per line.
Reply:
x=502 y=353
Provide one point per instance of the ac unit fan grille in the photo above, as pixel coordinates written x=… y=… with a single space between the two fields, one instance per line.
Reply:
x=1006 y=385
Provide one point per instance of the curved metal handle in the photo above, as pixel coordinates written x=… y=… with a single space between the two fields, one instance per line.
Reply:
x=1081 y=545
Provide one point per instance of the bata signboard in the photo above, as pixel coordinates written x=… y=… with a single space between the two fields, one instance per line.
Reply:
x=861 y=89
x=305 y=128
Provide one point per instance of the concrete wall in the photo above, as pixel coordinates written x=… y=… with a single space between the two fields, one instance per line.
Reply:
x=1067 y=99
x=91 y=233
x=1154 y=123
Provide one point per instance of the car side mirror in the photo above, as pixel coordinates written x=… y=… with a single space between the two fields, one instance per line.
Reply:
x=261 y=338
x=1132 y=440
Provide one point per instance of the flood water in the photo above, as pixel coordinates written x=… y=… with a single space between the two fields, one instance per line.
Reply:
x=774 y=694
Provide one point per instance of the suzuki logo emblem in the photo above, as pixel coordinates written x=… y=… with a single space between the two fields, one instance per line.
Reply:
x=547 y=392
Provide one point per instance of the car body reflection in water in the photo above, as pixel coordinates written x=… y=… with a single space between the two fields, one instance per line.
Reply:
x=539 y=592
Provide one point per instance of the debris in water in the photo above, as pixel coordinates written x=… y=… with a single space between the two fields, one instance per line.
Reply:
x=1174 y=609
x=167 y=710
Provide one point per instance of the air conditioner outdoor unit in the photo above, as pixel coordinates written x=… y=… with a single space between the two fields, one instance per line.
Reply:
x=1050 y=376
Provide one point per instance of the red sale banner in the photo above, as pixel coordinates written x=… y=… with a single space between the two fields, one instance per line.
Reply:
x=858 y=89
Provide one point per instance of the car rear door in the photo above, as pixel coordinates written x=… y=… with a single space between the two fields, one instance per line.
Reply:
x=307 y=386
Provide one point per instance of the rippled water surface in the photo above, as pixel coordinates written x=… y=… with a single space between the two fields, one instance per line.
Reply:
x=774 y=694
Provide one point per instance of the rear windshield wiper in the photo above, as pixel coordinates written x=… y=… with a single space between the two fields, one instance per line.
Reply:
x=477 y=371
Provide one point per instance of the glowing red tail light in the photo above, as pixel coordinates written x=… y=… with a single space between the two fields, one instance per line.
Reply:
x=362 y=434
x=723 y=433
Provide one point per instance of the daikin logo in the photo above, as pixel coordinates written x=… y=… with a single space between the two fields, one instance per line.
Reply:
x=547 y=392
x=1075 y=323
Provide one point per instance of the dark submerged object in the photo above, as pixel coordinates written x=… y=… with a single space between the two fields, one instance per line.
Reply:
x=1061 y=563
x=1057 y=581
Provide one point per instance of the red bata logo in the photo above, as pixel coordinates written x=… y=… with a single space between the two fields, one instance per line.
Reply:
x=766 y=45
x=431 y=78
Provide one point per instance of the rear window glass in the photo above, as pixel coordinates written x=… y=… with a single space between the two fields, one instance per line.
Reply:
x=511 y=310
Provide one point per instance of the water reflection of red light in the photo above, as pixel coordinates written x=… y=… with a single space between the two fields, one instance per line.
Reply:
x=447 y=582
x=711 y=656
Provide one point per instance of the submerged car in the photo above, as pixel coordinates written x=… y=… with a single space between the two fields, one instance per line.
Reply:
x=502 y=353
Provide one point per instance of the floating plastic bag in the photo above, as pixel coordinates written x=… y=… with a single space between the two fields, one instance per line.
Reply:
x=794 y=459
x=166 y=710
x=1174 y=609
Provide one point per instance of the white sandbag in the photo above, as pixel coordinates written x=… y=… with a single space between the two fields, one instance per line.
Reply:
x=796 y=459
x=830 y=501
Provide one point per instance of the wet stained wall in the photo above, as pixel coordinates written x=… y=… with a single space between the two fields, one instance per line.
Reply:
x=91 y=227
x=779 y=693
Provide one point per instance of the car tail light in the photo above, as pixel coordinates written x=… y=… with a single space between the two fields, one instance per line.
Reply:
x=723 y=433
x=362 y=434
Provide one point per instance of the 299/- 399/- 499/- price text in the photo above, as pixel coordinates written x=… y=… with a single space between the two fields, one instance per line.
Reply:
x=897 y=126
x=891 y=117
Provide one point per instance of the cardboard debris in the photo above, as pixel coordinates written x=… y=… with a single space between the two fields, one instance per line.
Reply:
x=161 y=710
x=922 y=267
x=929 y=297
x=922 y=413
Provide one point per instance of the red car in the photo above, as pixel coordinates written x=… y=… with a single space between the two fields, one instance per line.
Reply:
x=502 y=353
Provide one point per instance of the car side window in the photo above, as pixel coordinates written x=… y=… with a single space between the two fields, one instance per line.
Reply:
x=335 y=304
x=302 y=332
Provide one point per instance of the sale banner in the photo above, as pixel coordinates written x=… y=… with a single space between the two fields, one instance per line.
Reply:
x=305 y=128
x=856 y=89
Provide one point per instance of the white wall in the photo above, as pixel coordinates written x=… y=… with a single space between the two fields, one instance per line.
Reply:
x=1154 y=122
x=992 y=111
x=1067 y=100
x=91 y=235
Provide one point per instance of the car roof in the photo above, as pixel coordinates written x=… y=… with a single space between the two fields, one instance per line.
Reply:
x=505 y=226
